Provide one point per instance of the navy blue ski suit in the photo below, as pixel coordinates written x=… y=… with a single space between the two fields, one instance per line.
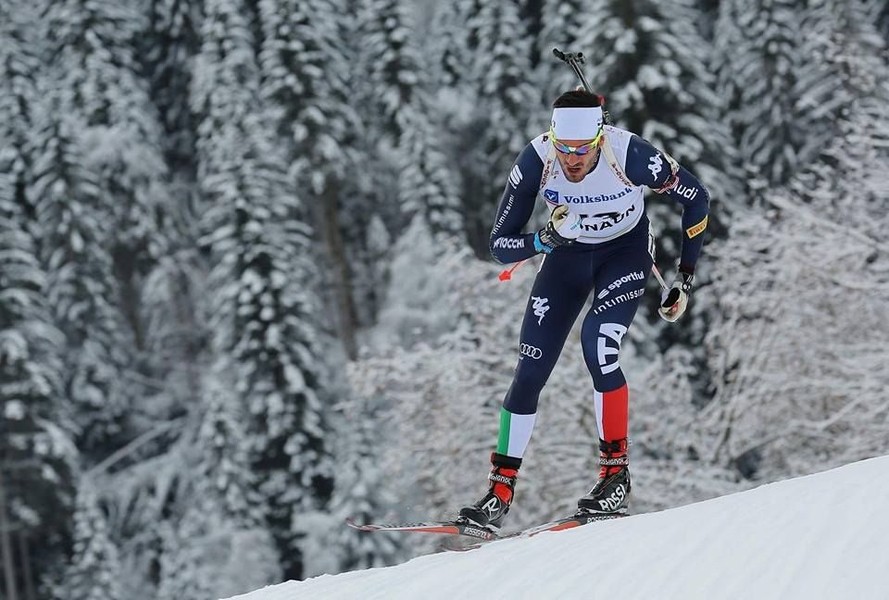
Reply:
x=611 y=262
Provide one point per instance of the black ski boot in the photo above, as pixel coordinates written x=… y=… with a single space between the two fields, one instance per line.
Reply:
x=490 y=510
x=611 y=494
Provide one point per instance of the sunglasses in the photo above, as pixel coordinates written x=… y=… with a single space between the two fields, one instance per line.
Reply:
x=578 y=150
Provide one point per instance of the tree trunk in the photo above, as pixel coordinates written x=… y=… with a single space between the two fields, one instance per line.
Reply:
x=328 y=223
x=6 y=547
x=27 y=573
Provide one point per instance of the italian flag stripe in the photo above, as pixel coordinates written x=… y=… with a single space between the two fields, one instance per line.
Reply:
x=503 y=438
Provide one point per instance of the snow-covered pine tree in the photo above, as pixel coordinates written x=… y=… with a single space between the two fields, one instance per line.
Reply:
x=531 y=13
x=308 y=60
x=414 y=168
x=92 y=80
x=307 y=73
x=448 y=50
x=802 y=337
x=95 y=571
x=387 y=73
x=217 y=544
x=165 y=50
x=820 y=93
x=204 y=558
x=709 y=13
x=174 y=329
x=96 y=75
x=390 y=66
x=37 y=454
x=390 y=76
x=562 y=21
x=262 y=308
x=19 y=69
x=860 y=73
x=426 y=187
x=145 y=482
x=757 y=60
x=879 y=12
x=362 y=491
x=72 y=229
x=168 y=300
x=498 y=91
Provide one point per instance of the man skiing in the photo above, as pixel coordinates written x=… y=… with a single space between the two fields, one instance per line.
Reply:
x=592 y=177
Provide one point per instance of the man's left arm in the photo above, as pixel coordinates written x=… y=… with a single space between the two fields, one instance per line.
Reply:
x=653 y=168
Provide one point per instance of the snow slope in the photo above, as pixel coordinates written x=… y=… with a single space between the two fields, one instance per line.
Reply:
x=823 y=536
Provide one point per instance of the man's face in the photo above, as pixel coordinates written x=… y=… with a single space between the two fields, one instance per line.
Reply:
x=576 y=166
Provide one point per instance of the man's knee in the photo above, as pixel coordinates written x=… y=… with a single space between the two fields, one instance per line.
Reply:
x=530 y=376
x=601 y=350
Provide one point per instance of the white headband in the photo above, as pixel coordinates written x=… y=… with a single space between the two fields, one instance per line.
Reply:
x=577 y=123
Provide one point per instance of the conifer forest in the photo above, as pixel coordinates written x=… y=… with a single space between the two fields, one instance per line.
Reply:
x=245 y=286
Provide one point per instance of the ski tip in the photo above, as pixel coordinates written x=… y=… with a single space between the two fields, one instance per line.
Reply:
x=440 y=527
x=356 y=525
x=455 y=545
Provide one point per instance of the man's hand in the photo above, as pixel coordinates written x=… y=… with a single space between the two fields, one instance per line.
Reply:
x=675 y=300
x=561 y=230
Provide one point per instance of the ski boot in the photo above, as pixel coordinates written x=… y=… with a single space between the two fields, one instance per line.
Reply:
x=492 y=508
x=611 y=494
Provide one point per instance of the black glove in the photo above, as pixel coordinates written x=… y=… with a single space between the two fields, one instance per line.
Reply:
x=675 y=300
x=560 y=225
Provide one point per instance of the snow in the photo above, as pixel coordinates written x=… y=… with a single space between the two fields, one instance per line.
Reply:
x=819 y=536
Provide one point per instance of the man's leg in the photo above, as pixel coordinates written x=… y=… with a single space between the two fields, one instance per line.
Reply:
x=558 y=294
x=620 y=284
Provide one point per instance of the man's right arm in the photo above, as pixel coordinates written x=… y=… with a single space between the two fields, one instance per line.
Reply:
x=508 y=244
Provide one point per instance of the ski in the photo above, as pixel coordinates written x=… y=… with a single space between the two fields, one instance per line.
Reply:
x=571 y=522
x=440 y=527
x=480 y=535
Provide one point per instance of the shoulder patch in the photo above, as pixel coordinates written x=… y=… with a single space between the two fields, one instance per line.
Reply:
x=698 y=229
x=541 y=145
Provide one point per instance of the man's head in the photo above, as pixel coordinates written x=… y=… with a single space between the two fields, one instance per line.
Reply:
x=576 y=132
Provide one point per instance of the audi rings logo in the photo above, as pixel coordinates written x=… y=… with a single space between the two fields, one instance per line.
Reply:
x=531 y=352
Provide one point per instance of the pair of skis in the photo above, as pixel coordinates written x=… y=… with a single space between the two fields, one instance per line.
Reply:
x=481 y=535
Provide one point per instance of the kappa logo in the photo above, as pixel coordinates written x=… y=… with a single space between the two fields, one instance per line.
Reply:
x=540 y=306
x=655 y=165
x=613 y=332
x=551 y=195
x=515 y=176
x=531 y=351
